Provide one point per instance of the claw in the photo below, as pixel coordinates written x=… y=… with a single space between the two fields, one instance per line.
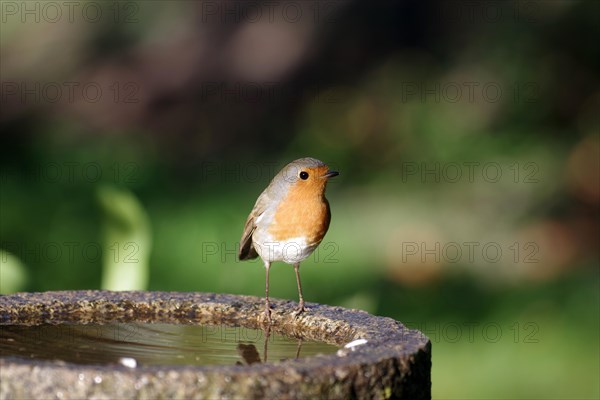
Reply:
x=300 y=309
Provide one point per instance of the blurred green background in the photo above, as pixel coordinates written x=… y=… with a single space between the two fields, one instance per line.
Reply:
x=136 y=137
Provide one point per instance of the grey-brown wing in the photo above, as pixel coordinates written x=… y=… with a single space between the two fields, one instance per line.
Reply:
x=247 y=251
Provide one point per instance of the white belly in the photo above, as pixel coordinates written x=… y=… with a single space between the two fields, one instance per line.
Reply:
x=290 y=251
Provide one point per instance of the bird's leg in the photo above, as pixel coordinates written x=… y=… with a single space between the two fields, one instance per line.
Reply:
x=267 y=305
x=300 y=308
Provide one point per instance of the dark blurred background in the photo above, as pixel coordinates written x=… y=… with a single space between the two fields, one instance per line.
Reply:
x=136 y=137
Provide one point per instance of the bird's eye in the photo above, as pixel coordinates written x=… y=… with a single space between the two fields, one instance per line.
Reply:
x=304 y=175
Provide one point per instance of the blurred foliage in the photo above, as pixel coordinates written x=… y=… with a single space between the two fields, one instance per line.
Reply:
x=126 y=241
x=199 y=111
x=13 y=275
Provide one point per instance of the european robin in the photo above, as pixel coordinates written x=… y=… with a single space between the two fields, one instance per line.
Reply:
x=289 y=219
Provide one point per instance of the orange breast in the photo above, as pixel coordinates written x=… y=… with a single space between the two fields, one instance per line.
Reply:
x=304 y=212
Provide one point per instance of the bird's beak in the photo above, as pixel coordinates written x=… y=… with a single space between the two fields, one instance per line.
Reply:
x=330 y=174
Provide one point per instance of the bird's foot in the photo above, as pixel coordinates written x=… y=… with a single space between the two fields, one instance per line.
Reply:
x=300 y=310
x=267 y=314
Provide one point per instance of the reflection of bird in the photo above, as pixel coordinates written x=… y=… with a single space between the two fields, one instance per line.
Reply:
x=289 y=219
x=248 y=353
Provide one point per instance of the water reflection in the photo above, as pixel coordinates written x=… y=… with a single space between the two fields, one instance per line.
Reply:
x=250 y=355
x=153 y=344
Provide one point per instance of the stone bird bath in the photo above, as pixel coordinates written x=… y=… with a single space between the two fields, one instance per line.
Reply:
x=391 y=362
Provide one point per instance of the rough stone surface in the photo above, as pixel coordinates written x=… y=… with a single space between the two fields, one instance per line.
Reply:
x=394 y=363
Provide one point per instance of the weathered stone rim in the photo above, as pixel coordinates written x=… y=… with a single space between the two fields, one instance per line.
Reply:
x=390 y=345
x=189 y=307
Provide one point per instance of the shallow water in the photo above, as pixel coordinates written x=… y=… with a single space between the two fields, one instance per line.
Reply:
x=132 y=344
